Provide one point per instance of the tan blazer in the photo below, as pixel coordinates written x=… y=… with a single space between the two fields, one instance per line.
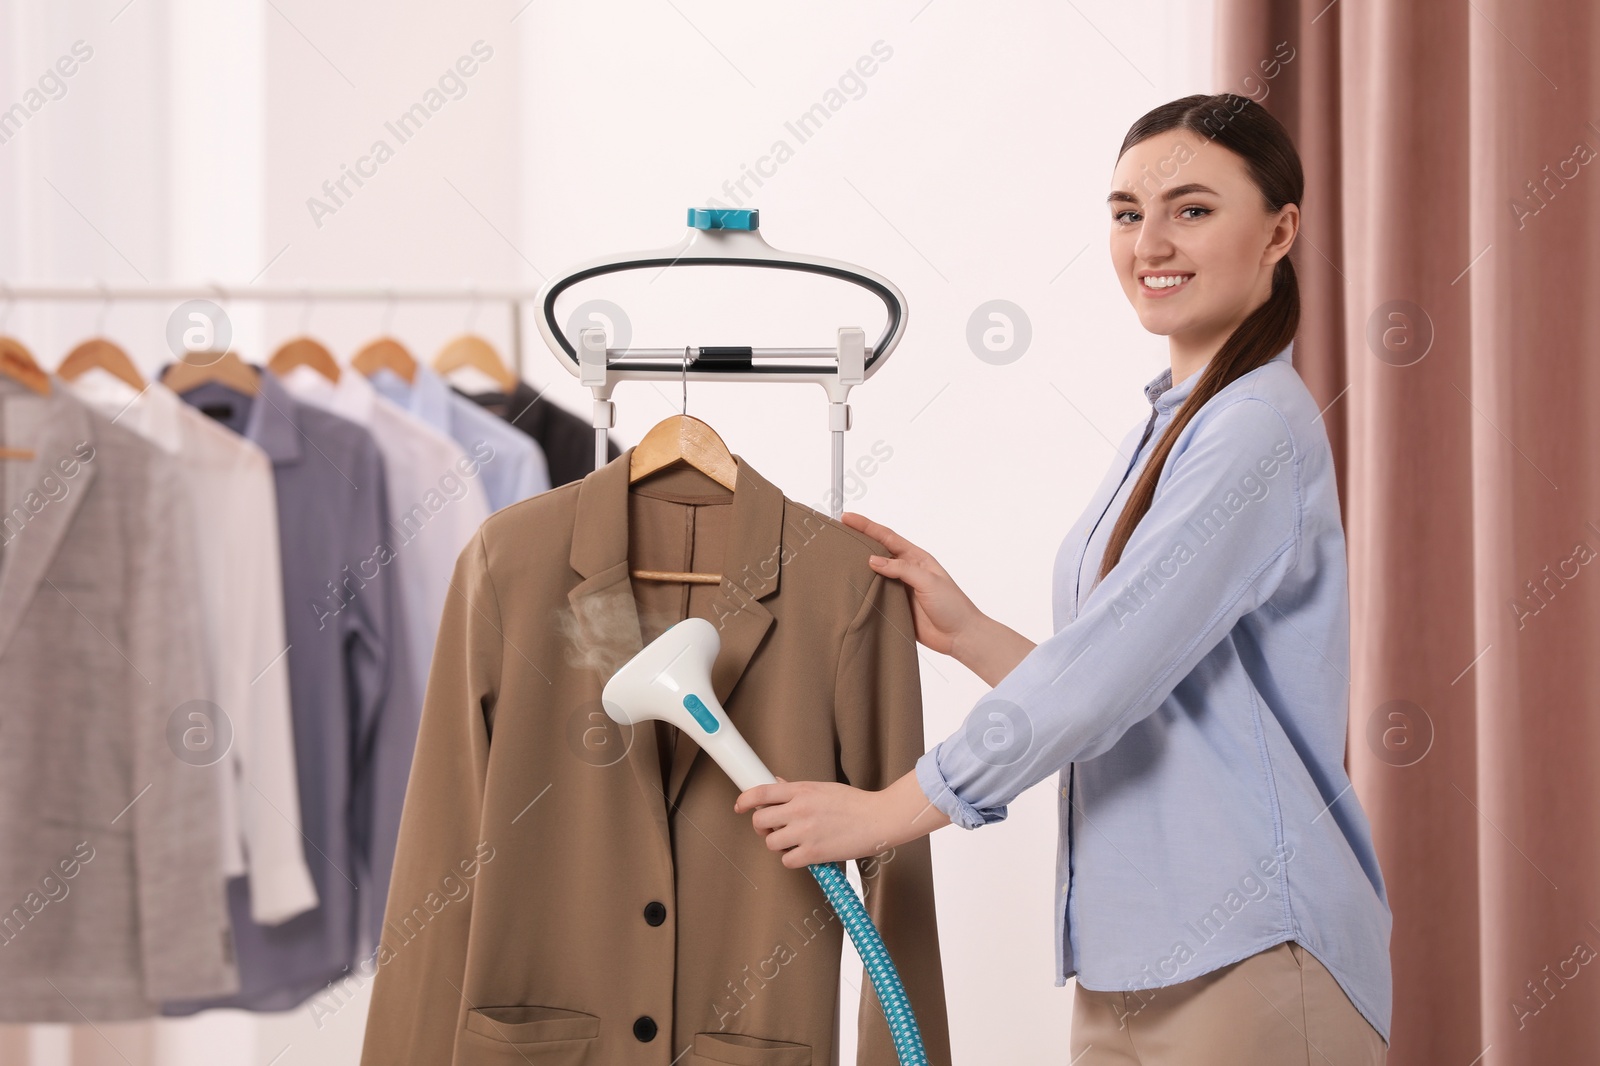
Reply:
x=566 y=891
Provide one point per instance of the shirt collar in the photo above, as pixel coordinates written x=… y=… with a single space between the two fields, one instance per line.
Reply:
x=270 y=419
x=155 y=412
x=427 y=396
x=1164 y=395
x=352 y=396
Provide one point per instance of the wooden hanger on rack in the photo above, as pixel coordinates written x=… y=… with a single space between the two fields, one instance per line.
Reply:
x=304 y=351
x=386 y=353
x=471 y=350
x=227 y=369
x=683 y=439
x=18 y=364
x=105 y=354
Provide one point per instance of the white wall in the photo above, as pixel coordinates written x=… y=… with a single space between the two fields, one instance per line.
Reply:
x=970 y=166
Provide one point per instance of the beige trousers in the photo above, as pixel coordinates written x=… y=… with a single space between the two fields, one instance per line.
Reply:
x=1279 y=1007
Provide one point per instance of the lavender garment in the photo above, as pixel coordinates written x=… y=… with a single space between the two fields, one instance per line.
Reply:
x=514 y=466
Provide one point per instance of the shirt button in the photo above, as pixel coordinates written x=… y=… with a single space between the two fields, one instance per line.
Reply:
x=644 y=1027
x=655 y=913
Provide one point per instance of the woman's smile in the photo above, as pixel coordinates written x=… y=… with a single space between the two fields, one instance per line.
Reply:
x=1164 y=284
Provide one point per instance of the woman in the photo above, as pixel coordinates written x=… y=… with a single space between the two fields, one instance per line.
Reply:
x=1221 y=891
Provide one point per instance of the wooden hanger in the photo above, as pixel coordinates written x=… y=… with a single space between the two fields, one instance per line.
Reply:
x=227 y=369
x=386 y=353
x=471 y=350
x=304 y=351
x=17 y=363
x=105 y=354
x=683 y=439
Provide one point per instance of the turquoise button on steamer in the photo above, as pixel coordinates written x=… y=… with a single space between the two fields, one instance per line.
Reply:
x=707 y=720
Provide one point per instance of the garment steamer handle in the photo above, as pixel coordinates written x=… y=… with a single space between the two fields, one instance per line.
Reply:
x=670 y=681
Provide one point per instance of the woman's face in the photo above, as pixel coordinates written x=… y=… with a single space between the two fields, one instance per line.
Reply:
x=1184 y=207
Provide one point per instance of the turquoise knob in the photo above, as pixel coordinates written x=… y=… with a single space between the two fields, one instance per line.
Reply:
x=723 y=218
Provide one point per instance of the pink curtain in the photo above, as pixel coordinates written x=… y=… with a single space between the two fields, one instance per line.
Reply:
x=1451 y=289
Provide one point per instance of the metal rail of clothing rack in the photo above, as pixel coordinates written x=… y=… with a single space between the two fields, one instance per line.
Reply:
x=512 y=298
x=722 y=238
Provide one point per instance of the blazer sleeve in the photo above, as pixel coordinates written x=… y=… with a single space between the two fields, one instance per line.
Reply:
x=1221 y=534
x=417 y=991
x=878 y=714
x=184 y=935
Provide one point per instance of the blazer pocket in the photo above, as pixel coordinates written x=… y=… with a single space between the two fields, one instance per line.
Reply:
x=749 y=1050
x=524 y=1034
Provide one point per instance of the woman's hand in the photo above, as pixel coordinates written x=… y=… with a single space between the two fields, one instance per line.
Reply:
x=946 y=620
x=941 y=610
x=826 y=821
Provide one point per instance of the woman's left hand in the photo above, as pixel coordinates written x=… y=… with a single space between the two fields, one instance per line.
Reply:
x=815 y=821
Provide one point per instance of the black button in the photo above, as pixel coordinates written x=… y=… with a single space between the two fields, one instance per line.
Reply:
x=655 y=913
x=644 y=1027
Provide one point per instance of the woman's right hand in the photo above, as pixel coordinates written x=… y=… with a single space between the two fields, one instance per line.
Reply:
x=941 y=610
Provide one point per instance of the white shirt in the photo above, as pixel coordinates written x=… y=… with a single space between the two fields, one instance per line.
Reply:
x=235 y=509
x=435 y=504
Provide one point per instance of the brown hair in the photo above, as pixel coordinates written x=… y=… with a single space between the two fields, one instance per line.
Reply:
x=1246 y=128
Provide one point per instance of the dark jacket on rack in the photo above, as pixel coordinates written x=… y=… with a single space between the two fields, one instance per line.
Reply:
x=568 y=891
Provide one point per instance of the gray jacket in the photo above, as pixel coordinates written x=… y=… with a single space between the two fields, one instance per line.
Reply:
x=111 y=891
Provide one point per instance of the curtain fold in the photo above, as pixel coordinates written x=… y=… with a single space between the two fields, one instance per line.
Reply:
x=1448 y=263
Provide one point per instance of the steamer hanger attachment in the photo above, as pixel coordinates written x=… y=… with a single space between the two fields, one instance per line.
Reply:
x=725 y=237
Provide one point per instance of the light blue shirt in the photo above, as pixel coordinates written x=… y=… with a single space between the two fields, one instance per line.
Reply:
x=515 y=468
x=1194 y=705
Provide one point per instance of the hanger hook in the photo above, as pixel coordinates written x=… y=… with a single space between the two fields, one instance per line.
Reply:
x=388 y=312
x=11 y=301
x=305 y=311
x=685 y=379
x=105 y=307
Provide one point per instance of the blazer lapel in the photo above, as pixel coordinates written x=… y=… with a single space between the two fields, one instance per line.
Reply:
x=26 y=554
x=605 y=620
x=603 y=600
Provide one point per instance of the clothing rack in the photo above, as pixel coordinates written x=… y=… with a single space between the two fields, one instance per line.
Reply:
x=512 y=298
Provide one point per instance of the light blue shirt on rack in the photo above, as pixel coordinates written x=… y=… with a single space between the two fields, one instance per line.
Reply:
x=1194 y=705
x=515 y=467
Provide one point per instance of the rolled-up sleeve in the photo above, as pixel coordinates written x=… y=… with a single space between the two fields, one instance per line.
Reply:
x=1221 y=534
